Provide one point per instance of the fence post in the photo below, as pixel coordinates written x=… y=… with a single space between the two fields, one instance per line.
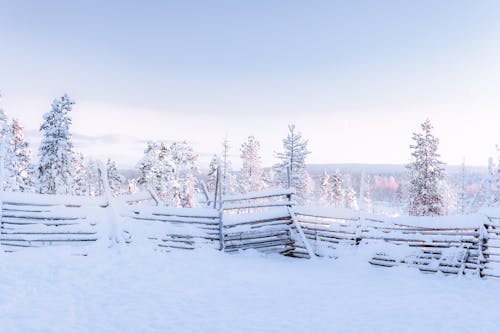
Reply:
x=113 y=216
x=2 y=167
x=221 y=210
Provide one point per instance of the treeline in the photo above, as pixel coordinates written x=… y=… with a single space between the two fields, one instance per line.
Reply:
x=171 y=170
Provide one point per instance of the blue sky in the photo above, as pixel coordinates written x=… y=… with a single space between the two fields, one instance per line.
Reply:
x=357 y=77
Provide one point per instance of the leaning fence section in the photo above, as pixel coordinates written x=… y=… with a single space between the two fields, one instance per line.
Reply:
x=492 y=244
x=451 y=245
x=262 y=221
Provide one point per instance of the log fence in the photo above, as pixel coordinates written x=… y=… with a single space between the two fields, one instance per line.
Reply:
x=267 y=221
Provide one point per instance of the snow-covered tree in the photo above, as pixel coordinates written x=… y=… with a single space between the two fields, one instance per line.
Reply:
x=93 y=178
x=365 y=198
x=251 y=171
x=185 y=162
x=3 y=121
x=80 y=186
x=19 y=170
x=351 y=199
x=132 y=186
x=56 y=149
x=228 y=179
x=293 y=161
x=450 y=197
x=462 y=196
x=157 y=172
x=496 y=201
x=426 y=173
x=170 y=171
x=402 y=193
x=212 y=174
x=337 y=190
x=114 y=178
x=268 y=177
x=324 y=194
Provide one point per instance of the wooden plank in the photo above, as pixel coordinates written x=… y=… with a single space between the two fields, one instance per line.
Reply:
x=187 y=221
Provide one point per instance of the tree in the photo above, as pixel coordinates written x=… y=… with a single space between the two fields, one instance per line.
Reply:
x=114 y=178
x=351 y=199
x=462 y=196
x=93 y=179
x=268 y=177
x=365 y=199
x=3 y=142
x=336 y=190
x=3 y=121
x=56 y=149
x=425 y=173
x=324 y=195
x=228 y=180
x=185 y=163
x=497 y=179
x=170 y=171
x=293 y=163
x=212 y=174
x=156 y=169
x=81 y=186
x=19 y=170
x=251 y=171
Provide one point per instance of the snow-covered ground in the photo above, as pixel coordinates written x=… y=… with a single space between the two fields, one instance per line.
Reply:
x=127 y=290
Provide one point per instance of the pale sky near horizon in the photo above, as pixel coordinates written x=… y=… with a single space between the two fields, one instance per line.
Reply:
x=356 y=77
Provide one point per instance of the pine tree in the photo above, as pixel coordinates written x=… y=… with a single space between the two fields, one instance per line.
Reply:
x=79 y=175
x=212 y=174
x=228 y=180
x=132 y=186
x=496 y=193
x=400 y=194
x=450 y=197
x=114 y=178
x=3 y=143
x=462 y=197
x=56 y=149
x=157 y=172
x=324 y=195
x=309 y=189
x=251 y=171
x=93 y=179
x=293 y=161
x=3 y=120
x=365 y=198
x=336 y=190
x=351 y=199
x=170 y=170
x=185 y=163
x=426 y=172
x=268 y=177
x=19 y=171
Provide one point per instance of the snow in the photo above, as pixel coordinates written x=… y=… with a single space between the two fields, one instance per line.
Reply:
x=127 y=290
x=442 y=222
x=51 y=199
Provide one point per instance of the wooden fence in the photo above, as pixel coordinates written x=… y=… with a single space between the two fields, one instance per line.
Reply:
x=260 y=221
x=267 y=221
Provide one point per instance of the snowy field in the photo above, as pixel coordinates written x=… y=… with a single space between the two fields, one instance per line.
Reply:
x=208 y=291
